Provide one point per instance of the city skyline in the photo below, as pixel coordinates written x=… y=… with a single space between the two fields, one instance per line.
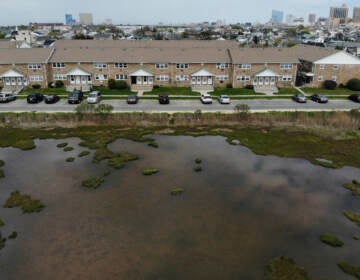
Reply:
x=187 y=11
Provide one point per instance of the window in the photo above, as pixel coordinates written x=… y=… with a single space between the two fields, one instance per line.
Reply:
x=245 y=66
x=336 y=67
x=334 y=78
x=99 y=65
x=162 y=78
x=222 y=77
x=36 y=78
x=243 y=78
x=161 y=66
x=34 y=66
x=121 y=77
x=182 y=66
x=320 y=78
x=286 y=66
x=222 y=65
x=121 y=65
x=58 y=65
x=286 y=78
x=322 y=66
x=101 y=77
x=181 y=78
x=60 y=77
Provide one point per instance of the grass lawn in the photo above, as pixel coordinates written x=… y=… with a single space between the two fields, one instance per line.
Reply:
x=338 y=91
x=172 y=91
x=234 y=91
x=107 y=91
x=62 y=91
x=288 y=91
x=45 y=91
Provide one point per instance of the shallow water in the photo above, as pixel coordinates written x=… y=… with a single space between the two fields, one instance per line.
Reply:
x=234 y=216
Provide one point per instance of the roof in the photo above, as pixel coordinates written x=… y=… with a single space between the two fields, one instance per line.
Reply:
x=141 y=72
x=78 y=72
x=311 y=53
x=262 y=55
x=7 y=44
x=339 y=58
x=266 y=73
x=11 y=74
x=203 y=73
x=23 y=56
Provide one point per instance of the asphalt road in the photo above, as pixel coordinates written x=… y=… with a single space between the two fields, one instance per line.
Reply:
x=21 y=105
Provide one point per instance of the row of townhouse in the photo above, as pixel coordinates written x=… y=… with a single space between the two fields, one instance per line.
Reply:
x=201 y=65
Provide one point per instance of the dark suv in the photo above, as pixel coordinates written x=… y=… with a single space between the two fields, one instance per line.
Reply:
x=75 y=97
x=164 y=99
x=355 y=97
x=35 y=97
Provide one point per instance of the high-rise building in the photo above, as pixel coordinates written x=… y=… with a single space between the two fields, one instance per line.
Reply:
x=312 y=19
x=86 y=19
x=68 y=19
x=290 y=18
x=339 y=14
x=277 y=16
x=356 y=17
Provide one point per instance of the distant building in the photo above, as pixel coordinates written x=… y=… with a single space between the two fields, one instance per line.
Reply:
x=86 y=19
x=290 y=18
x=356 y=17
x=108 y=21
x=339 y=14
x=277 y=16
x=68 y=19
x=312 y=19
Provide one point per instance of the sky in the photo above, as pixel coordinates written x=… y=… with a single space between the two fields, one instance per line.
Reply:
x=16 y=12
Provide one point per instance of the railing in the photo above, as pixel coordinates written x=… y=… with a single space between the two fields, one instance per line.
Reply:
x=79 y=87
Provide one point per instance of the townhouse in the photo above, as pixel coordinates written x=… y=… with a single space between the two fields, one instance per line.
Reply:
x=201 y=65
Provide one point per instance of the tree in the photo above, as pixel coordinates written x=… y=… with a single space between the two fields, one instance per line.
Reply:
x=353 y=84
x=256 y=40
x=329 y=84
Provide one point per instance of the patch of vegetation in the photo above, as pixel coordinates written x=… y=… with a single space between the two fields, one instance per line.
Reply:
x=25 y=144
x=331 y=240
x=354 y=186
x=68 y=149
x=2 y=223
x=326 y=164
x=62 y=145
x=70 y=159
x=197 y=168
x=172 y=91
x=13 y=235
x=177 y=191
x=354 y=217
x=83 y=153
x=150 y=171
x=356 y=237
x=2 y=241
x=2 y=174
x=153 y=144
x=92 y=183
x=119 y=160
x=349 y=269
x=2 y=163
x=28 y=205
x=198 y=161
x=284 y=268
x=107 y=172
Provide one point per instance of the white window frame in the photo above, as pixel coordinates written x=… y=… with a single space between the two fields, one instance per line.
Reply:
x=161 y=65
x=222 y=65
x=286 y=78
x=245 y=66
x=36 y=78
x=286 y=66
x=60 y=77
x=162 y=78
x=121 y=77
x=322 y=67
x=101 y=77
x=182 y=66
x=58 y=65
x=334 y=78
x=181 y=78
x=336 y=67
x=34 y=66
x=320 y=78
x=243 y=78
x=120 y=65
x=222 y=78
x=100 y=65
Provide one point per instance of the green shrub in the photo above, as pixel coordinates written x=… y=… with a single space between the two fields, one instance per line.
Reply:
x=150 y=171
x=70 y=159
x=68 y=149
x=13 y=235
x=59 y=84
x=119 y=160
x=229 y=85
x=331 y=240
x=32 y=205
x=84 y=153
x=104 y=109
x=61 y=145
x=36 y=86
x=92 y=183
x=85 y=108
x=177 y=191
x=249 y=87
x=353 y=84
x=121 y=85
x=2 y=163
x=329 y=84
x=112 y=84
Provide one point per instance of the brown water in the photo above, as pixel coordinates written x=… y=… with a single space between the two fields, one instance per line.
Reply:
x=234 y=216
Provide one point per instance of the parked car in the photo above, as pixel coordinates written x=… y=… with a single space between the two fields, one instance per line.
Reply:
x=300 y=98
x=132 y=99
x=164 y=99
x=7 y=97
x=51 y=99
x=319 y=98
x=75 y=97
x=94 y=97
x=35 y=97
x=206 y=98
x=355 y=97
x=224 y=99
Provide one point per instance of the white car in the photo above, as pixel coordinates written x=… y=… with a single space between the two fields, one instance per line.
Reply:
x=224 y=99
x=206 y=98
x=93 y=97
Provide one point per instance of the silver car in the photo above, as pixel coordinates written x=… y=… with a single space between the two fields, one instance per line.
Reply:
x=224 y=99
x=93 y=97
x=7 y=97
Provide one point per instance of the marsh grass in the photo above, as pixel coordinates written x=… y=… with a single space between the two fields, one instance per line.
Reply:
x=150 y=171
x=2 y=163
x=83 y=153
x=62 y=145
x=2 y=223
x=198 y=161
x=354 y=217
x=354 y=186
x=331 y=240
x=13 y=235
x=28 y=205
x=70 y=159
x=284 y=268
x=326 y=164
x=118 y=160
x=92 y=183
x=153 y=144
x=177 y=191
x=107 y=172
x=25 y=144
x=68 y=149
x=2 y=174
x=197 y=168
x=349 y=269
x=2 y=241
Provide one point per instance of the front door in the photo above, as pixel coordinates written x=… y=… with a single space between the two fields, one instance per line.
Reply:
x=77 y=80
x=199 y=80
x=209 y=81
x=138 y=80
x=255 y=81
x=261 y=81
x=7 y=81
x=267 y=81
x=272 y=81
x=145 y=80
x=193 y=80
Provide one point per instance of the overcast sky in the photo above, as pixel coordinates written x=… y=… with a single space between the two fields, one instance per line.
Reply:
x=15 y=12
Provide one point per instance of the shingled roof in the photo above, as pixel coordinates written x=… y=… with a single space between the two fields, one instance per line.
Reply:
x=262 y=55
x=19 y=56
x=311 y=53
